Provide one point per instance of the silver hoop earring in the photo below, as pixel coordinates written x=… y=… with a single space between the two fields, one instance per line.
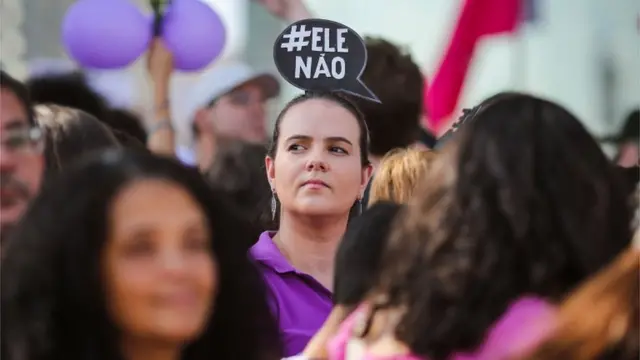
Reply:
x=274 y=204
x=359 y=206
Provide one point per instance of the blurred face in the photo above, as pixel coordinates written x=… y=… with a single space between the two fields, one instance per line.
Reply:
x=317 y=169
x=21 y=161
x=160 y=272
x=240 y=114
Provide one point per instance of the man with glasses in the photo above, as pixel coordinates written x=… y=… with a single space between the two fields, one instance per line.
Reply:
x=21 y=160
x=229 y=102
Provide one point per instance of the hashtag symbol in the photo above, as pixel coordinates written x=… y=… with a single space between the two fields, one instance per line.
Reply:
x=296 y=38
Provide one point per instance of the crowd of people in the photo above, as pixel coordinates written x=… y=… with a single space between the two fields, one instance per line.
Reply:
x=348 y=233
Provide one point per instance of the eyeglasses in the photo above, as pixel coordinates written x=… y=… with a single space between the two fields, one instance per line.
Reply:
x=22 y=140
x=243 y=98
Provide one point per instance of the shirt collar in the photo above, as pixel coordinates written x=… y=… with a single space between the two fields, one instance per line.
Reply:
x=266 y=252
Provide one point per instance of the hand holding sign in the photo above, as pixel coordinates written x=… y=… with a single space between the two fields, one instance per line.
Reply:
x=322 y=55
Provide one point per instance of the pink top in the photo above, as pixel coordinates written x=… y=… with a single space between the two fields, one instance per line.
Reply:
x=522 y=327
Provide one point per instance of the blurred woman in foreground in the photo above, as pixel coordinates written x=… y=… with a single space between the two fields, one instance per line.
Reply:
x=131 y=256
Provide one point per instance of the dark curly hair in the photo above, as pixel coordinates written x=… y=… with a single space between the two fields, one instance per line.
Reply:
x=53 y=301
x=522 y=202
x=398 y=82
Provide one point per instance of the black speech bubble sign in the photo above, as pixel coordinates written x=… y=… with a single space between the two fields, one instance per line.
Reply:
x=322 y=55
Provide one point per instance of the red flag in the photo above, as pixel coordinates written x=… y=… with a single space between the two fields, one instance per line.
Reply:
x=478 y=18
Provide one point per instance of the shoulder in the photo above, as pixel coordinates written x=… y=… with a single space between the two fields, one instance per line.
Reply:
x=524 y=325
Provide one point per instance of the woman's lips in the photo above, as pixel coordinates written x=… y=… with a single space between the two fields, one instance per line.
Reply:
x=315 y=184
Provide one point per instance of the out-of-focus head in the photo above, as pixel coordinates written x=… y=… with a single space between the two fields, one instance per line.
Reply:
x=396 y=80
x=317 y=164
x=238 y=170
x=229 y=101
x=466 y=115
x=21 y=163
x=70 y=134
x=399 y=173
x=143 y=253
x=70 y=89
x=360 y=251
x=521 y=201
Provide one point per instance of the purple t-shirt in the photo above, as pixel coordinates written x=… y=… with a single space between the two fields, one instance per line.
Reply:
x=300 y=303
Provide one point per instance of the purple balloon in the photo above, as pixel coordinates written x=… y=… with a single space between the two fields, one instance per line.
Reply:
x=105 y=34
x=194 y=33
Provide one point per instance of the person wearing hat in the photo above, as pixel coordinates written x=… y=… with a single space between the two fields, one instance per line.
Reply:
x=229 y=101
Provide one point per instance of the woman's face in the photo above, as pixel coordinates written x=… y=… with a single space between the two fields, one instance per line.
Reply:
x=159 y=269
x=317 y=169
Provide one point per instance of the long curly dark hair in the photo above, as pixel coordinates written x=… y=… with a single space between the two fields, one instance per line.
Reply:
x=53 y=299
x=522 y=202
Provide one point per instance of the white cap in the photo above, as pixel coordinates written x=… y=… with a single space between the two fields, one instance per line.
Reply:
x=221 y=79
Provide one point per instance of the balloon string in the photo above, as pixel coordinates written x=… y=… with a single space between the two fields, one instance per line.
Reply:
x=158 y=12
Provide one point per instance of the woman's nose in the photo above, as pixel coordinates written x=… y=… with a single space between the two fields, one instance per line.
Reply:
x=317 y=165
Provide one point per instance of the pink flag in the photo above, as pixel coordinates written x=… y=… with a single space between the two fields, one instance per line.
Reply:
x=478 y=18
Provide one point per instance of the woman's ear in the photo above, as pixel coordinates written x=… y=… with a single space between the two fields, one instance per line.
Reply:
x=366 y=176
x=271 y=171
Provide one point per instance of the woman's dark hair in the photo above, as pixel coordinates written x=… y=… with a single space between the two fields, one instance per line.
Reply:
x=466 y=115
x=336 y=98
x=20 y=91
x=69 y=134
x=358 y=256
x=238 y=169
x=53 y=301
x=522 y=202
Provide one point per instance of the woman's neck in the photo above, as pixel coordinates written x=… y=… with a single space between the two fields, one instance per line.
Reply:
x=310 y=244
x=139 y=349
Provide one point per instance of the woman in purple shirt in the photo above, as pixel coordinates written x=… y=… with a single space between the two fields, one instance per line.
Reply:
x=318 y=169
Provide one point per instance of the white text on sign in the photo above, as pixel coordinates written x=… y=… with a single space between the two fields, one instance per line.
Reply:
x=336 y=70
x=314 y=67
x=318 y=45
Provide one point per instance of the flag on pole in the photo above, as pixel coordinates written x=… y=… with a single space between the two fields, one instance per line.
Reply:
x=478 y=18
